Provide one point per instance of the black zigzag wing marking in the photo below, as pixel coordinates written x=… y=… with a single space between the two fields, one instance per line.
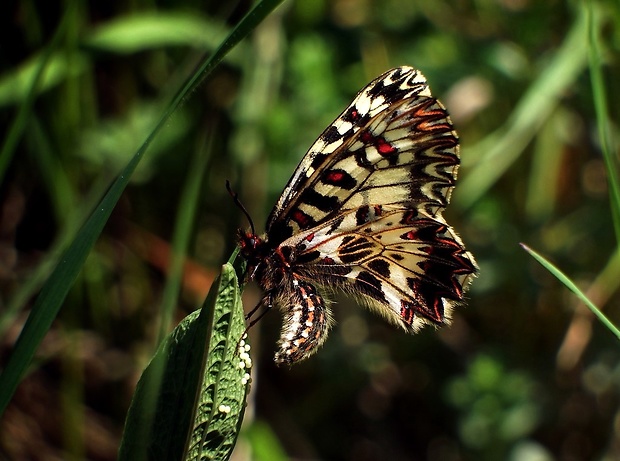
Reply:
x=394 y=123
x=410 y=264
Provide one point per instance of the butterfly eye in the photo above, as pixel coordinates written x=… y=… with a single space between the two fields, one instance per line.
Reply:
x=247 y=242
x=254 y=240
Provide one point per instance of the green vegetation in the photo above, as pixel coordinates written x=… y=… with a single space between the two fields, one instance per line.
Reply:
x=122 y=123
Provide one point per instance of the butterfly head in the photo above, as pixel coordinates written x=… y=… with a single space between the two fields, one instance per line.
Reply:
x=252 y=249
x=249 y=242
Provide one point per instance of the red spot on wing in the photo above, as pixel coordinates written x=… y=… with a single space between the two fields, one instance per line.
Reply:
x=300 y=218
x=411 y=235
x=334 y=177
x=310 y=237
x=384 y=147
x=367 y=137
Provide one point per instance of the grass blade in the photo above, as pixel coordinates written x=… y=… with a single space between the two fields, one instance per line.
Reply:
x=184 y=223
x=494 y=155
x=572 y=287
x=602 y=115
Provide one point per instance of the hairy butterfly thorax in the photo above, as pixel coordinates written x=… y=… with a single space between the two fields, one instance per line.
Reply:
x=363 y=213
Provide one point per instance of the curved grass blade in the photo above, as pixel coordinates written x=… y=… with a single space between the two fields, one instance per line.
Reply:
x=196 y=410
x=54 y=291
x=603 y=121
x=184 y=223
x=572 y=287
x=491 y=157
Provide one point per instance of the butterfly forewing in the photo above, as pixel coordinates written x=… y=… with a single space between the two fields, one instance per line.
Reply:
x=363 y=213
x=387 y=126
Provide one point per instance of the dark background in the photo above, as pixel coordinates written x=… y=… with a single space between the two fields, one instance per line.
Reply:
x=524 y=373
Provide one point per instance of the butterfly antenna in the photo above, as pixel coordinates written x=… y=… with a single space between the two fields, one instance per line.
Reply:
x=235 y=197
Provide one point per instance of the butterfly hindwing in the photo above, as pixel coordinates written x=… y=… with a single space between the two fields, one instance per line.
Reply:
x=363 y=213
x=411 y=267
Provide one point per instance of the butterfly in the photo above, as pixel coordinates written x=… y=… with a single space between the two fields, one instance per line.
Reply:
x=362 y=213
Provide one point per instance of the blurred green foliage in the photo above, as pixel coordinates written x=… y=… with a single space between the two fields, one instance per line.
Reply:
x=524 y=372
x=498 y=407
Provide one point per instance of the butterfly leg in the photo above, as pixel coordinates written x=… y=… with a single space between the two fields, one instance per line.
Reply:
x=266 y=301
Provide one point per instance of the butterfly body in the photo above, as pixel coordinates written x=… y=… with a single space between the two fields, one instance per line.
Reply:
x=363 y=214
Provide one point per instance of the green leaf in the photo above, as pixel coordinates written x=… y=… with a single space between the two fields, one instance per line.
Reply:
x=135 y=33
x=125 y=35
x=27 y=85
x=48 y=70
x=196 y=410
x=221 y=403
x=572 y=287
